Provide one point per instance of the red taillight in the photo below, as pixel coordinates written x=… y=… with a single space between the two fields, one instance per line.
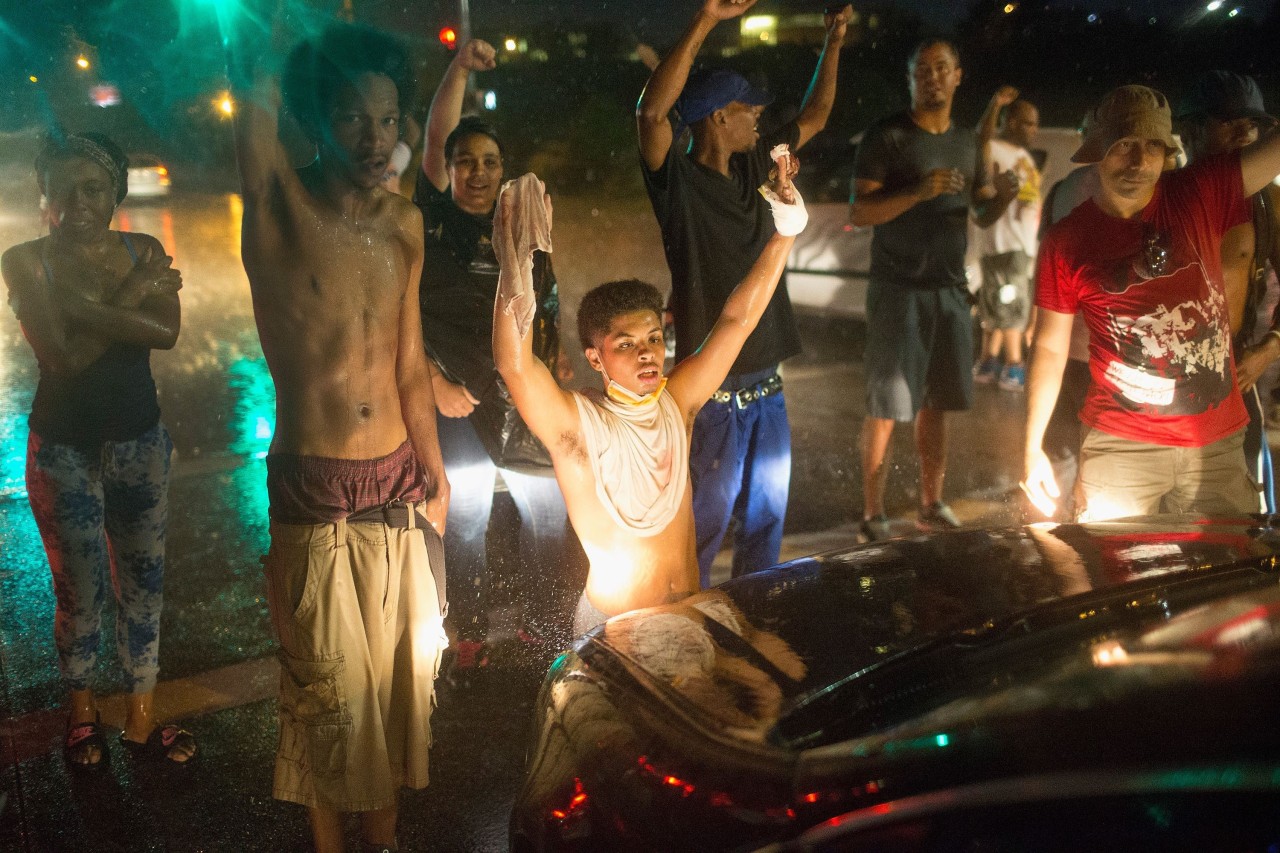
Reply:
x=577 y=803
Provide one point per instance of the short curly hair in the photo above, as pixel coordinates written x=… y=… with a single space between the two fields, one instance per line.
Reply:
x=318 y=69
x=603 y=303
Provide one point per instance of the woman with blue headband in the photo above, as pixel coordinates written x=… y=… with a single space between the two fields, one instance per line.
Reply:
x=93 y=303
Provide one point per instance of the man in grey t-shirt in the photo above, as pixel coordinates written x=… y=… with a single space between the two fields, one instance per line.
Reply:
x=915 y=178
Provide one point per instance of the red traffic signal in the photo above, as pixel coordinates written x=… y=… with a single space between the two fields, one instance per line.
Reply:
x=449 y=37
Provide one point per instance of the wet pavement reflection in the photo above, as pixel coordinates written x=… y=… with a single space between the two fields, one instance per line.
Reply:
x=216 y=656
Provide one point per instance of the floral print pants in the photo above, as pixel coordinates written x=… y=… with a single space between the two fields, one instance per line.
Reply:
x=102 y=514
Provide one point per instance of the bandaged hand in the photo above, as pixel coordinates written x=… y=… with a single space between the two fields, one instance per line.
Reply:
x=789 y=219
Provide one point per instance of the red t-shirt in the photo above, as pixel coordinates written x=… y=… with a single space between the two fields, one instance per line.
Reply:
x=1159 y=347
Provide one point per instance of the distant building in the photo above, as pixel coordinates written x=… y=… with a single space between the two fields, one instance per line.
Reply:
x=784 y=23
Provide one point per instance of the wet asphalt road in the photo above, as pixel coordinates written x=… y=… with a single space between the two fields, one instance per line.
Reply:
x=218 y=404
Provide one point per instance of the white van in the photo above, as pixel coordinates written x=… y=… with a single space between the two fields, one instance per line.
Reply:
x=829 y=264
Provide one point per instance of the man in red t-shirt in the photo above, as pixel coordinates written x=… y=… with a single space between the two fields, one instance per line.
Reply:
x=1141 y=260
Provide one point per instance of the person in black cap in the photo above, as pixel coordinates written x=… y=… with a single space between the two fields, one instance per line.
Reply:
x=1220 y=113
x=714 y=226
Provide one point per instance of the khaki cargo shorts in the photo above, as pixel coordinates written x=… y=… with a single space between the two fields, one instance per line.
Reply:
x=356 y=611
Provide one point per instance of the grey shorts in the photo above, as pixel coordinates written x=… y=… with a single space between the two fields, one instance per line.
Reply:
x=919 y=350
x=1004 y=300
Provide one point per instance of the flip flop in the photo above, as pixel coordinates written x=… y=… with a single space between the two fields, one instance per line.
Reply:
x=161 y=741
x=79 y=740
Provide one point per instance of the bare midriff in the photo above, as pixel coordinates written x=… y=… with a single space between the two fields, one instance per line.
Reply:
x=328 y=309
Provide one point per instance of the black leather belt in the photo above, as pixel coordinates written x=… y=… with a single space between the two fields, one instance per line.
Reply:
x=392 y=515
x=404 y=516
x=745 y=396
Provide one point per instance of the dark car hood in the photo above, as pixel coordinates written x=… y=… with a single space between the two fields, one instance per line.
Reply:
x=853 y=643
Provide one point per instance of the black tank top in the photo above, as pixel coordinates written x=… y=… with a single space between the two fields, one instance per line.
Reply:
x=113 y=399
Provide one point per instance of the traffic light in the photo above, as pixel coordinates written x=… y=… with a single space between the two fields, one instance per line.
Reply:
x=449 y=37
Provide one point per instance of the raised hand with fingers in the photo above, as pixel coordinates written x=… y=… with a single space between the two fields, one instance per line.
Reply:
x=723 y=10
x=836 y=20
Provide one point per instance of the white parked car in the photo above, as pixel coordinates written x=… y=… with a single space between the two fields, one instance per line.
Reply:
x=148 y=176
x=829 y=264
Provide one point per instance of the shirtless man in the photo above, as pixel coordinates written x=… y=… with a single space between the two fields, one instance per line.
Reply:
x=621 y=455
x=354 y=474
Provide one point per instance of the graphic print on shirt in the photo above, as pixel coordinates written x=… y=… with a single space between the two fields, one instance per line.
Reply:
x=1173 y=355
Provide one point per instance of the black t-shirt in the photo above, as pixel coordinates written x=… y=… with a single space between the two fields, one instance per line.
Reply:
x=924 y=246
x=713 y=230
x=459 y=284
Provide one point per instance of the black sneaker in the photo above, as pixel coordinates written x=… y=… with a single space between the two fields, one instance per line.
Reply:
x=876 y=528
x=937 y=516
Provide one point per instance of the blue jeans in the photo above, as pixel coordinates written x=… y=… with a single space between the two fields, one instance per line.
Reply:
x=1257 y=452
x=740 y=464
x=102 y=515
x=538 y=501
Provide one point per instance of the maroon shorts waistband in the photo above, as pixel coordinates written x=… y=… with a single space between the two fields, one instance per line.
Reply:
x=319 y=489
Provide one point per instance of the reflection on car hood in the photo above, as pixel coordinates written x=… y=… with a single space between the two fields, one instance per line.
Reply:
x=908 y=638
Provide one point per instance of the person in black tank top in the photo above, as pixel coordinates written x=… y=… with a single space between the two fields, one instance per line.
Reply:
x=93 y=303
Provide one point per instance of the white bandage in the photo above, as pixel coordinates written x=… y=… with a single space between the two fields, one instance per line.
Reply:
x=789 y=219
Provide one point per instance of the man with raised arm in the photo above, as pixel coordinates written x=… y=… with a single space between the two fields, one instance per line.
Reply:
x=621 y=453
x=714 y=226
x=354 y=474
x=1141 y=258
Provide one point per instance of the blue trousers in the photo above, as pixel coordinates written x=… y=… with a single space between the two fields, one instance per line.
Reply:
x=1257 y=452
x=102 y=516
x=538 y=501
x=740 y=465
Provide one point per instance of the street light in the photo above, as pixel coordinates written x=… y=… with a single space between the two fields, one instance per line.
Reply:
x=225 y=104
x=82 y=62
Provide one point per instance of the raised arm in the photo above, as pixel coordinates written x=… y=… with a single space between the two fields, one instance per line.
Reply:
x=446 y=107
x=1260 y=163
x=986 y=128
x=1049 y=359
x=417 y=403
x=547 y=410
x=259 y=155
x=668 y=79
x=993 y=190
x=821 y=96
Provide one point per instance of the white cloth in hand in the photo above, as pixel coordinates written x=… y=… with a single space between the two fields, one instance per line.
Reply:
x=520 y=225
x=789 y=219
